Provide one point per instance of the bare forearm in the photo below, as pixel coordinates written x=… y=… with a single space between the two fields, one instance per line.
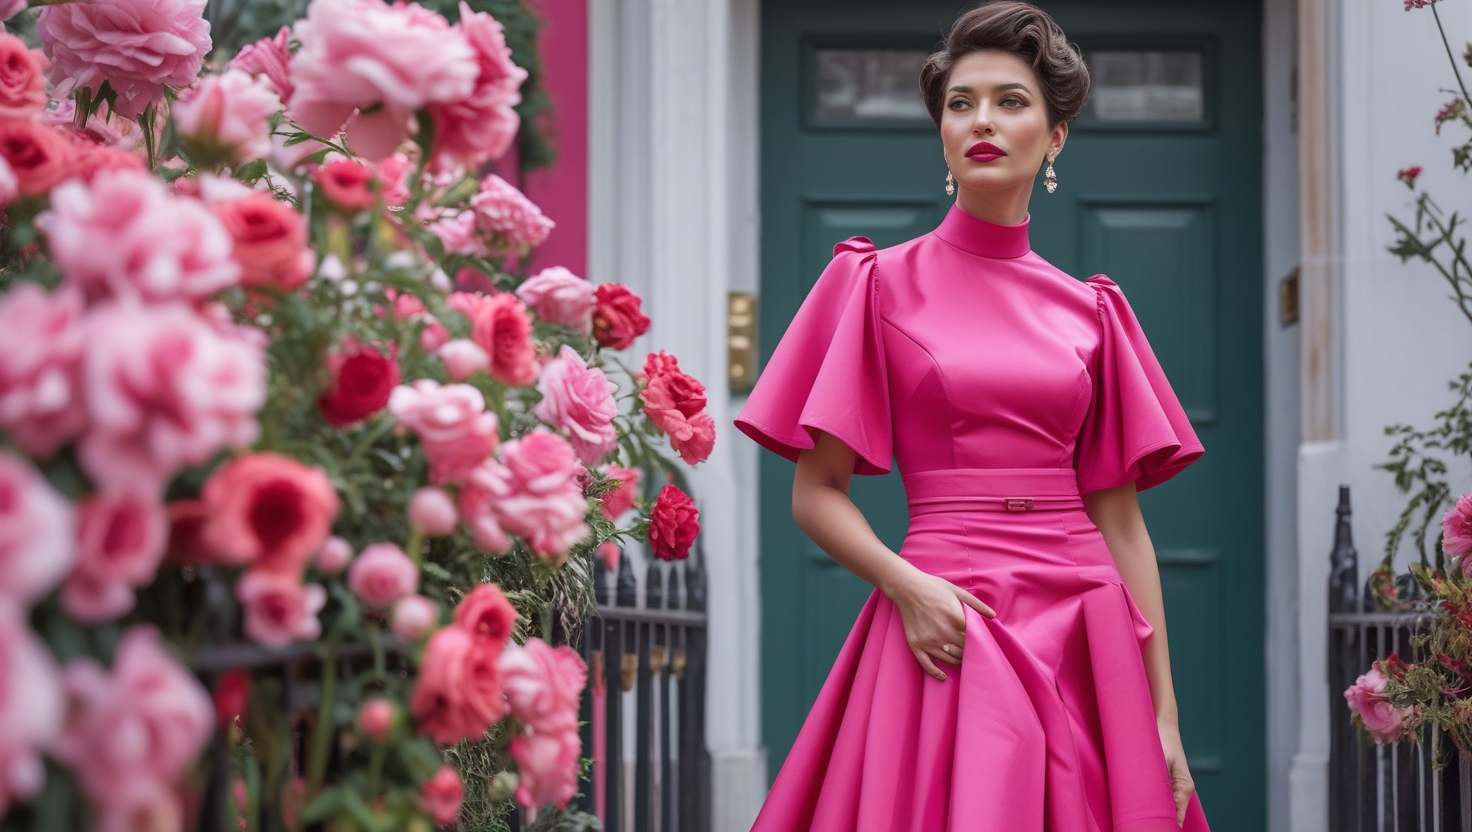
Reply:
x=827 y=516
x=1118 y=517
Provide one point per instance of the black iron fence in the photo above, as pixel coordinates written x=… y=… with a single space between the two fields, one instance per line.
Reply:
x=644 y=716
x=1401 y=787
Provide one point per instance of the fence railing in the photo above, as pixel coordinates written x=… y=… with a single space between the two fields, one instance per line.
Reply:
x=1381 y=788
x=646 y=702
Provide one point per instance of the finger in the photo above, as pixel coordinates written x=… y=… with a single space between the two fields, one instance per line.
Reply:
x=955 y=652
x=948 y=658
x=975 y=603
x=928 y=665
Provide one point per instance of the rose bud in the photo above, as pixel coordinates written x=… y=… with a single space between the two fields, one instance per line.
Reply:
x=432 y=511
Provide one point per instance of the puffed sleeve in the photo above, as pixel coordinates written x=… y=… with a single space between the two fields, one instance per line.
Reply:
x=827 y=372
x=1135 y=429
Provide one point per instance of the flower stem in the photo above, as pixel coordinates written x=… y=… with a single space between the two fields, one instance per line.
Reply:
x=322 y=732
x=1449 y=55
x=415 y=546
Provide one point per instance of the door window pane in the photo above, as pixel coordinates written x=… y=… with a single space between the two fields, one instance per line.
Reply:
x=879 y=85
x=1144 y=85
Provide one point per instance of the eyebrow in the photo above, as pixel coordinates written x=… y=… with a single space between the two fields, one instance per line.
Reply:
x=998 y=88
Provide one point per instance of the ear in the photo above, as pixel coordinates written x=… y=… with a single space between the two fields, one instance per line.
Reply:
x=1060 y=135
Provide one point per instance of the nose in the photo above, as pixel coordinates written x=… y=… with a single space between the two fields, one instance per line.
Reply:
x=982 y=124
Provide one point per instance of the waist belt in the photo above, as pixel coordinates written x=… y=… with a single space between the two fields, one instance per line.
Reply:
x=992 y=489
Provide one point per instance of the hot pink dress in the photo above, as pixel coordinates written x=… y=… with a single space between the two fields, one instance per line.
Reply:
x=1005 y=389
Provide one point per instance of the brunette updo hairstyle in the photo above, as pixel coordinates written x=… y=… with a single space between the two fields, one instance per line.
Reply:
x=1027 y=32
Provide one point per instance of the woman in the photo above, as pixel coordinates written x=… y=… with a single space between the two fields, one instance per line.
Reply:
x=1010 y=672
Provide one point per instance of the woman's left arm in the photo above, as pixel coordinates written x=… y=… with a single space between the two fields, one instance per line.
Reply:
x=1116 y=512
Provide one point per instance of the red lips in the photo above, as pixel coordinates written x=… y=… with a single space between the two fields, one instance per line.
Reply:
x=985 y=149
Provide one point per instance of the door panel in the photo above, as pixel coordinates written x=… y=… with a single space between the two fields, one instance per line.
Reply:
x=1160 y=190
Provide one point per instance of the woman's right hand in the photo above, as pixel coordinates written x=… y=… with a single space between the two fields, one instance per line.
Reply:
x=934 y=618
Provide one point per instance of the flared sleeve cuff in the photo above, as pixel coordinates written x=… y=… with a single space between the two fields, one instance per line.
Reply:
x=1136 y=430
x=827 y=373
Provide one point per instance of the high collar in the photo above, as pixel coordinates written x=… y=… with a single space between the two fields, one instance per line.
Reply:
x=982 y=238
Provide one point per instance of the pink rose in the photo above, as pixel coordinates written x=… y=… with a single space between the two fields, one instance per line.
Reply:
x=37 y=533
x=347 y=183
x=279 y=608
x=382 y=574
x=501 y=326
x=39 y=156
x=271 y=243
x=137 y=47
x=384 y=61
x=675 y=404
x=1366 y=697
x=393 y=178
x=9 y=9
x=9 y=183
x=22 y=79
x=453 y=426
x=441 y=795
x=226 y=118
x=432 y=511
x=513 y=223
x=30 y=706
x=268 y=58
x=268 y=511
x=535 y=493
x=458 y=695
x=579 y=400
x=622 y=498
x=458 y=234
x=544 y=685
x=376 y=719
x=609 y=553
x=548 y=765
x=463 y=358
x=1456 y=527
x=487 y=615
x=40 y=367
x=144 y=722
x=334 y=556
x=485 y=530
x=414 y=617
x=674 y=523
x=480 y=127
x=121 y=539
x=164 y=389
x=433 y=336
x=126 y=235
x=140 y=803
x=558 y=296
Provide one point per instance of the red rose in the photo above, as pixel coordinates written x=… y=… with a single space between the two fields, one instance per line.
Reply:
x=347 y=183
x=186 y=533
x=269 y=511
x=22 y=79
x=459 y=694
x=673 y=524
x=41 y=156
x=617 y=316
x=502 y=327
x=270 y=241
x=362 y=380
x=231 y=695
x=486 y=614
x=675 y=404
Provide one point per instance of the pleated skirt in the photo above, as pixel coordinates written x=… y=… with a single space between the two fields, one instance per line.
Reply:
x=1046 y=726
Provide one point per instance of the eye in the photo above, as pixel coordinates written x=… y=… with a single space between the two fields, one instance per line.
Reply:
x=1013 y=101
x=958 y=103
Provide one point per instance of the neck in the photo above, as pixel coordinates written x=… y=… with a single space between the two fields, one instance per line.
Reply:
x=1006 y=206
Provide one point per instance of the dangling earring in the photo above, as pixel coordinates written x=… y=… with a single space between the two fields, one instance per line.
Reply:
x=1050 y=179
x=950 y=184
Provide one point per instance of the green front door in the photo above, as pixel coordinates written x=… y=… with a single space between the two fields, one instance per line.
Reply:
x=1159 y=189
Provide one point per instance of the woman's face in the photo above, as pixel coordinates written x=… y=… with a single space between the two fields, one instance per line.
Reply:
x=994 y=126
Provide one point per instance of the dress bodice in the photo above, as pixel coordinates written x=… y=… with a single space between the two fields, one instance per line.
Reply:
x=962 y=348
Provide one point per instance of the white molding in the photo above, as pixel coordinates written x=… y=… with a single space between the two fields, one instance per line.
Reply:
x=672 y=200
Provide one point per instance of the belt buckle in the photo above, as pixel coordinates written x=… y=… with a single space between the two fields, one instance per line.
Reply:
x=1017 y=504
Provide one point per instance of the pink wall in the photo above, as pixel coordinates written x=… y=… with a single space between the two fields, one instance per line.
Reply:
x=562 y=190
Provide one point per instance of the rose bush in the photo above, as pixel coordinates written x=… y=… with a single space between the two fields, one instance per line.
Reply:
x=271 y=373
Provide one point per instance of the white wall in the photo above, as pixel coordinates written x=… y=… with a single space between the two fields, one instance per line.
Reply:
x=1398 y=338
